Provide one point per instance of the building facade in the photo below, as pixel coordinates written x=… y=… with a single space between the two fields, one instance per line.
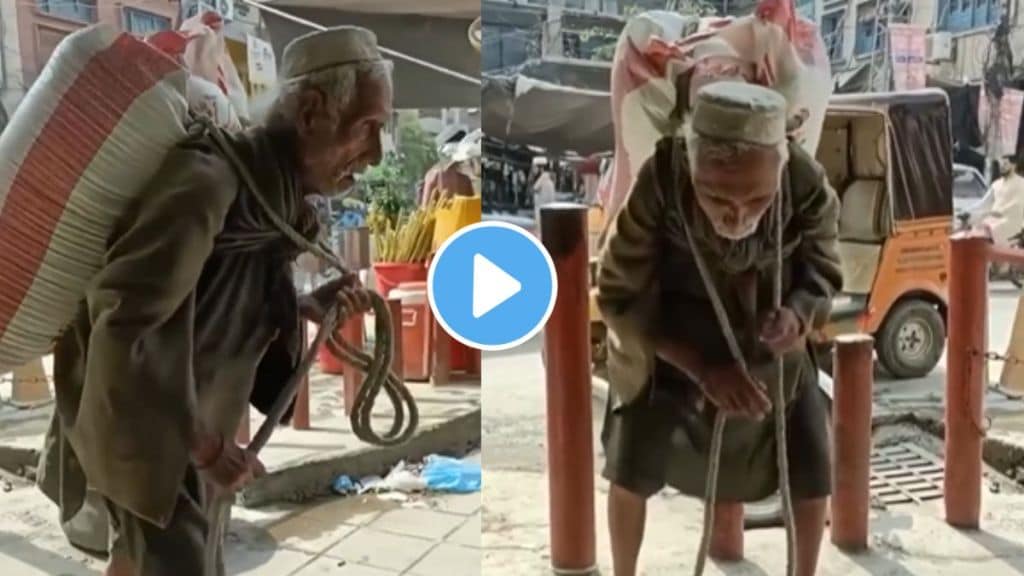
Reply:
x=42 y=24
x=959 y=32
x=12 y=87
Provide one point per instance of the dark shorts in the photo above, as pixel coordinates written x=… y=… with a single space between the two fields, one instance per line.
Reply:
x=176 y=550
x=661 y=439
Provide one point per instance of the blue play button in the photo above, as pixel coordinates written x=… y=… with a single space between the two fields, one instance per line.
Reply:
x=492 y=286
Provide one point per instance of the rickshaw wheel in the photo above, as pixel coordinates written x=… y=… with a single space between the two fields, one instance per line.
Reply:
x=911 y=340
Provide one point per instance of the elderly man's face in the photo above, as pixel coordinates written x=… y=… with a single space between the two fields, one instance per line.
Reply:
x=338 y=146
x=735 y=192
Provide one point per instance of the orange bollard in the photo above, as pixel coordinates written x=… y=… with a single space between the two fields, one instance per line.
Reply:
x=300 y=417
x=397 y=363
x=569 y=418
x=352 y=332
x=965 y=378
x=727 y=536
x=851 y=440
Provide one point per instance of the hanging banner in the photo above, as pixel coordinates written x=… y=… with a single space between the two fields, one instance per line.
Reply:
x=908 y=45
x=1002 y=139
x=262 y=66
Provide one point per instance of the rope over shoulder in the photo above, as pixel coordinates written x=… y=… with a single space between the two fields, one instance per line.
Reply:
x=376 y=367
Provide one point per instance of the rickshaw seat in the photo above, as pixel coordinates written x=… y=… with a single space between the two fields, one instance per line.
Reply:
x=858 y=212
x=860 y=236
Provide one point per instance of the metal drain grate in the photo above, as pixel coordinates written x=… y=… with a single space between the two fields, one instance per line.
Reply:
x=905 y=474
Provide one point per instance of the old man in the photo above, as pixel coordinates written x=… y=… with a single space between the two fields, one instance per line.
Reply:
x=670 y=367
x=194 y=313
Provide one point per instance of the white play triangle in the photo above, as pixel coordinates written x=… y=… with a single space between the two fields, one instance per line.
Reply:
x=491 y=286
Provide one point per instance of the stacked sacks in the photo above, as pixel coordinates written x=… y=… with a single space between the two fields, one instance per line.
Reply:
x=663 y=58
x=90 y=134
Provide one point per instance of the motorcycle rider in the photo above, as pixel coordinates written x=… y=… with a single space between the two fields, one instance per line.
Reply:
x=1002 y=210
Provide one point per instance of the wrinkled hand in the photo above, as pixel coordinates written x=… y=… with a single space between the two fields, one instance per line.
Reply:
x=781 y=331
x=734 y=392
x=346 y=291
x=230 y=468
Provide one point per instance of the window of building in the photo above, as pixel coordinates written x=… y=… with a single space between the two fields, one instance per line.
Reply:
x=142 y=23
x=869 y=30
x=833 y=28
x=806 y=8
x=964 y=15
x=506 y=46
x=78 y=10
x=572 y=45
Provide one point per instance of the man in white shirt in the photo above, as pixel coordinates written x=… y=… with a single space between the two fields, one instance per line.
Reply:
x=1004 y=204
x=543 y=190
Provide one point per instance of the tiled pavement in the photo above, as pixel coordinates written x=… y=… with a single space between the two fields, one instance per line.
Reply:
x=434 y=535
x=366 y=536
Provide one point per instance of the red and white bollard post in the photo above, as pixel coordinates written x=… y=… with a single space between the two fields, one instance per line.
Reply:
x=851 y=441
x=727 y=535
x=965 y=378
x=569 y=418
x=352 y=332
x=300 y=417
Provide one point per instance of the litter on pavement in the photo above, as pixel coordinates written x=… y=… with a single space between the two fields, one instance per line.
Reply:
x=435 y=474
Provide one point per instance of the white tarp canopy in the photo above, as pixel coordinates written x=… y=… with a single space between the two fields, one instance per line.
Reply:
x=531 y=112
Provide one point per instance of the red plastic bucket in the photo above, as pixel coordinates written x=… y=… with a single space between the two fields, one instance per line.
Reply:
x=389 y=275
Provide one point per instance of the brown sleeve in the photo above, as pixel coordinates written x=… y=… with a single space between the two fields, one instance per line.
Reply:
x=625 y=281
x=819 y=274
x=138 y=401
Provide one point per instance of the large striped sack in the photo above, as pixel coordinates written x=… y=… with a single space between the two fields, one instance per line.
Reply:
x=660 y=53
x=89 y=135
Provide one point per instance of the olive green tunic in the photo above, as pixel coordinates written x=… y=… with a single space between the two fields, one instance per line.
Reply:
x=193 y=314
x=649 y=288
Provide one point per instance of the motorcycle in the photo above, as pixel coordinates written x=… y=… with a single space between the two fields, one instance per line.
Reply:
x=1012 y=273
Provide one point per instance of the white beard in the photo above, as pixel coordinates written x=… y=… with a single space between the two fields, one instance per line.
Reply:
x=737 y=236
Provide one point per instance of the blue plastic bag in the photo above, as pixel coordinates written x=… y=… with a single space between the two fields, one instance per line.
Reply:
x=444 y=474
x=344 y=485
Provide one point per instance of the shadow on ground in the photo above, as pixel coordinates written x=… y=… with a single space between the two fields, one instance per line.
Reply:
x=25 y=551
x=1012 y=553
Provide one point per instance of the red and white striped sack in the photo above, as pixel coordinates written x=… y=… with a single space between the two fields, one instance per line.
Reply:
x=90 y=134
x=773 y=47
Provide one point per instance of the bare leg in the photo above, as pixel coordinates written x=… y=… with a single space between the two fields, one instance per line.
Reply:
x=120 y=566
x=809 y=517
x=627 y=514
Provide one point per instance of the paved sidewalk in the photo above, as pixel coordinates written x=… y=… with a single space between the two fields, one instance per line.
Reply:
x=906 y=541
x=303 y=463
x=431 y=535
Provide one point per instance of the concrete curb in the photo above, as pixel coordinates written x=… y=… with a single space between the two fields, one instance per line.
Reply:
x=313 y=477
x=15 y=460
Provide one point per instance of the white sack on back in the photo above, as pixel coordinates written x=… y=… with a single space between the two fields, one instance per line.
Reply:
x=90 y=134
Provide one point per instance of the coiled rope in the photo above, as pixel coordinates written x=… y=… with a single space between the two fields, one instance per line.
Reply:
x=376 y=367
x=778 y=400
